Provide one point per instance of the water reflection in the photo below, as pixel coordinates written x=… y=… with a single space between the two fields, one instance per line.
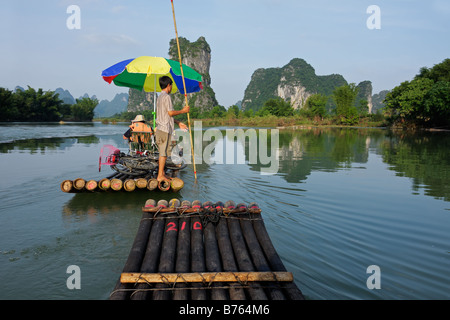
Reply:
x=42 y=145
x=322 y=209
x=424 y=157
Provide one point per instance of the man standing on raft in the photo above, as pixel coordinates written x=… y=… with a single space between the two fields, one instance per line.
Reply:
x=165 y=124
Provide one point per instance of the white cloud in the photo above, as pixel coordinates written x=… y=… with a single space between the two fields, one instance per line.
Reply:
x=109 y=39
x=118 y=9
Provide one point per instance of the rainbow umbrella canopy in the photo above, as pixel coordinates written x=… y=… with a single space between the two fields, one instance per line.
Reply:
x=143 y=73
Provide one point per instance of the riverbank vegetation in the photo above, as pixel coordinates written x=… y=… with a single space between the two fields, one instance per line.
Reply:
x=278 y=112
x=423 y=102
x=32 y=105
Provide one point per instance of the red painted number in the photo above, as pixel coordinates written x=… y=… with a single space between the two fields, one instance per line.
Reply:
x=172 y=227
x=197 y=226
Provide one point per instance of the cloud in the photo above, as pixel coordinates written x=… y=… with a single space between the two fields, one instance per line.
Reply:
x=109 y=39
x=118 y=9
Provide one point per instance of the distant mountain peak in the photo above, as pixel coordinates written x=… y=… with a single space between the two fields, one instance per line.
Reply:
x=294 y=82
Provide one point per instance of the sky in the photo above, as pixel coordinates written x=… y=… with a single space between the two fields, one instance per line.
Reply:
x=40 y=50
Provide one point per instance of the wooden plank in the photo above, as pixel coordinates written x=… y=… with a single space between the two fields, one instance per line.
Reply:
x=206 y=277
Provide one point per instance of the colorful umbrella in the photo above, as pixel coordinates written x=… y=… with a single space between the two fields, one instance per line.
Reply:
x=143 y=73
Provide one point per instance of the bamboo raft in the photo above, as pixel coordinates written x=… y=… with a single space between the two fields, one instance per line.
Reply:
x=121 y=182
x=195 y=251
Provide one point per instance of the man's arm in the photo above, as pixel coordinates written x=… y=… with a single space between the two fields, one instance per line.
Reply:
x=181 y=125
x=173 y=113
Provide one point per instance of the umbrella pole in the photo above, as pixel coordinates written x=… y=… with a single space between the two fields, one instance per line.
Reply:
x=184 y=86
x=154 y=105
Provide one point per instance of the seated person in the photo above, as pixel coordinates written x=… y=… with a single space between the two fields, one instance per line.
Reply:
x=138 y=125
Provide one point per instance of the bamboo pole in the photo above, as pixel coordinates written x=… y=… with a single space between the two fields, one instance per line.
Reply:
x=184 y=85
x=168 y=253
x=141 y=183
x=134 y=261
x=292 y=291
x=183 y=252
x=152 y=184
x=116 y=184
x=197 y=252
x=257 y=256
x=226 y=252
x=91 y=185
x=164 y=185
x=176 y=184
x=129 y=185
x=104 y=184
x=243 y=257
x=79 y=184
x=151 y=257
x=67 y=186
x=212 y=257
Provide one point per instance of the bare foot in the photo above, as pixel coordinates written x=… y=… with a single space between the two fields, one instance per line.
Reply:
x=163 y=178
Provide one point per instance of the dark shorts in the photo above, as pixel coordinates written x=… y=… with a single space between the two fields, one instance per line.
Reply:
x=163 y=140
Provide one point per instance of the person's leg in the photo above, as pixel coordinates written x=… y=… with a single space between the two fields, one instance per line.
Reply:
x=162 y=140
x=161 y=164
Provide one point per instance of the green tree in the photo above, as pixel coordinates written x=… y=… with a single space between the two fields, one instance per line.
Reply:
x=316 y=105
x=8 y=108
x=439 y=72
x=248 y=113
x=344 y=97
x=425 y=100
x=194 y=112
x=217 y=112
x=406 y=102
x=83 y=109
x=277 y=107
x=363 y=107
x=437 y=103
x=233 y=111
x=38 y=105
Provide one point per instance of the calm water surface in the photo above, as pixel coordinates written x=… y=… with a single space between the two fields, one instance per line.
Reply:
x=342 y=200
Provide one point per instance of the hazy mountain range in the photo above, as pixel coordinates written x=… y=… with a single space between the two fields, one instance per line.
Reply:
x=105 y=108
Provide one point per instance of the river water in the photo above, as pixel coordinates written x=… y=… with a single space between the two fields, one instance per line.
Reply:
x=353 y=213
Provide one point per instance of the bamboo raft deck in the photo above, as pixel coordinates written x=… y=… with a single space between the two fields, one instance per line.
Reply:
x=121 y=182
x=195 y=251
